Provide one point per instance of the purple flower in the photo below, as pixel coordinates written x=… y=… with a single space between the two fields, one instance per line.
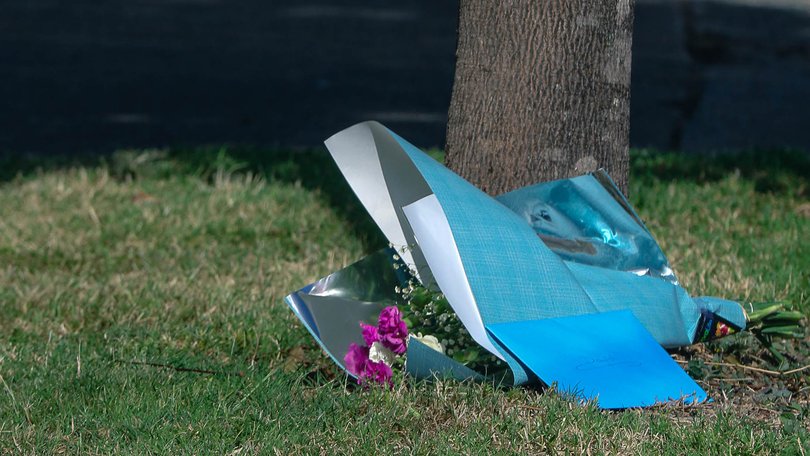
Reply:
x=379 y=373
x=358 y=363
x=393 y=332
x=370 y=334
x=356 y=359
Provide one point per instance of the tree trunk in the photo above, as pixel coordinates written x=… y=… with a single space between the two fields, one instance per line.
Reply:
x=541 y=92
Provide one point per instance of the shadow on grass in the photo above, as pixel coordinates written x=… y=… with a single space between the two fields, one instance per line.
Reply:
x=313 y=170
x=781 y=172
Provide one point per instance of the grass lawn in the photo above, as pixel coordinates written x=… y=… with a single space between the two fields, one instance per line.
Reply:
x=141 y=311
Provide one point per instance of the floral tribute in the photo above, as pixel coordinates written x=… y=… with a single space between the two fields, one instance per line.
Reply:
x=384 y=344
x=423 y=311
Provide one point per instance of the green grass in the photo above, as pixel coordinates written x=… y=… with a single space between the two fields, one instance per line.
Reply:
x=141 y=311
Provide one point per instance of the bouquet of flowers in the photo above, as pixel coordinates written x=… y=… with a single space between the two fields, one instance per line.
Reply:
x=384 y=343
x=428 y=318
x=558 y=282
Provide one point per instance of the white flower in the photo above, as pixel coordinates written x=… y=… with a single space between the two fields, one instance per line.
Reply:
x=378 y=353
x=430 y=341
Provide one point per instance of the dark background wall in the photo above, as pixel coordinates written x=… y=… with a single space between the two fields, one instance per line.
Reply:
x=89 y=75
x=731 y=74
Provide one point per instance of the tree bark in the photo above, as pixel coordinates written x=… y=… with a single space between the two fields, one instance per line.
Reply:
x=541 y=92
